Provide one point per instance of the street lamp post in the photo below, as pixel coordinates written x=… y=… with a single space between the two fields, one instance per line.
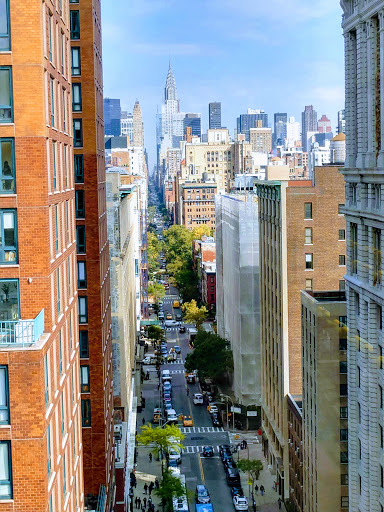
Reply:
x=233 y=408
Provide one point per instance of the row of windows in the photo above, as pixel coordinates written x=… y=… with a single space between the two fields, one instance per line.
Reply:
x=309 y=260
x=309 y=235
x=308 y=214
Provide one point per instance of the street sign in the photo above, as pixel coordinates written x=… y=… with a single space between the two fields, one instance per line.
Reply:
x=251 y=413
x=249 y=481
x=236 y=410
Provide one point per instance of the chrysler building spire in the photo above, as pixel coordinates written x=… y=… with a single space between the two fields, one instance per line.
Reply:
x=170 y=91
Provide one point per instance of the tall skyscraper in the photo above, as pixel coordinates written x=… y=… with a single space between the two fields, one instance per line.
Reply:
x=250 y=119
x=194 y=121
x=308 y=124
x=138 y=126
x=215 y=115
x=112 y=113
x=41 y=454
x=324 y=125
x=93 y=276
x=280 y=128
x=126 y=125
x=341 y=121
x=364 y=207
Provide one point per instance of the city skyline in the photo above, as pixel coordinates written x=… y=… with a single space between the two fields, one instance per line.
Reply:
x=202 y=72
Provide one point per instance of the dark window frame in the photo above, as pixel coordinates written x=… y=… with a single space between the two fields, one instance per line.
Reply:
x=75 y=50
x=8 y=248
x=78 y=105
x=85 y=386
x=84 y=344
x=81 y=248
x=8 y=177
x=80 y=204
x=86 y=414
x=10 y=106
x=6 y=35
x=78 y=133
x=79 y=168
x=83 y=317
x=82 y=283
x=75 y=30
x=5 y=406
x=308 y=211
x=7 y=482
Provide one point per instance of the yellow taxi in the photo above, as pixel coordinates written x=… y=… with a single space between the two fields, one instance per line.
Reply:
x=187 y=421
x=169 y=316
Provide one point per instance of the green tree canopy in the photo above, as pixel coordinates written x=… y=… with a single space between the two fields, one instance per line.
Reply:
x=156 y=290
x=164 y=438
x=153 y=250
x=211 y=356
x=251 y=466
x=170 y=487
x=193 y=314
x=155 y=332
x=151 y=214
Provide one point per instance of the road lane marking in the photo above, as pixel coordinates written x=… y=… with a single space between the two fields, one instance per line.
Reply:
x=201 y=470
x=202 y=430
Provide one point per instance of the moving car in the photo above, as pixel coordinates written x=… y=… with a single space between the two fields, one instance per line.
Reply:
x=203 y=507
x=170 y=323
x=160 y=316
x=182 y=328
x=207 y=451
x=163 y=351
x=165 y=375
x=169 y=316
x=179 y=317
x=171 y=416
x=202 y=494
x=177 y=349
x=198 y=399
x=212 y=409
x=240 y=503
x=191 y=378
x=176 y=304
x=187 y=421
x=156 y=415
x=216 y=420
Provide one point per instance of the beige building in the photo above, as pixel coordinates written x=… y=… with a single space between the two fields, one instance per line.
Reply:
x=325 y=411
x=197 y=204
x=302 y=246
x=261 y=138
x=138 y=126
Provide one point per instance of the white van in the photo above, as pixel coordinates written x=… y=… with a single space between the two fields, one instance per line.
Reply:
x=174 y=453
x=171 y=416
x=198 y=399
x=165 y=375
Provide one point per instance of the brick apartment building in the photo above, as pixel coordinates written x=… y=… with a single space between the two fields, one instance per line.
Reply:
x=92 y=250
x=197 y=204
x=208 y=285
x=40 y=409
x=302 y=246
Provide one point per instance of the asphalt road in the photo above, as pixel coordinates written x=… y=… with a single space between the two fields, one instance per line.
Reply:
x=195 y=467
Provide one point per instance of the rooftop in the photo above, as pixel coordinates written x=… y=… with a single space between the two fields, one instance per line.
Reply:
x=327 y=296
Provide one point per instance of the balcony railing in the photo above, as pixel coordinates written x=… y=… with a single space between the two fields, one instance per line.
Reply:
x=21 y=332
x=101 y=499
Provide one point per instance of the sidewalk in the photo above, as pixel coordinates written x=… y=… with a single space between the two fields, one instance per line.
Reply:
x=268 y=502
x=146 y=472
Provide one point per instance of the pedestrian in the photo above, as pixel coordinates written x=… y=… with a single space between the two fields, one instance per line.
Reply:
x=131 y=492
x=279 y=502
x=139 y=502
x=136 y=502
x=150 y=457
x=257 y=490
x=143 y=421
x=147 y=375
x=145 y=489
x=157 y=484
x=158 y=386
x=145 y=502
x=187 y=391
x=151 y=486
x=262 y=490
x=245 y=444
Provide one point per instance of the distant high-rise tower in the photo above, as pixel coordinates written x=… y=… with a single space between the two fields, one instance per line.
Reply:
x=341 y=121
x=194 y=121
x=112 y=115
x=280 y=128
x=324 y=125
x=214 y=115
x=138 y=126
x=126 y=125
x=250 y=120
x=308 y=124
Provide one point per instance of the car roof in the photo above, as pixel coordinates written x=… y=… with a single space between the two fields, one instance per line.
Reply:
x=201 y=487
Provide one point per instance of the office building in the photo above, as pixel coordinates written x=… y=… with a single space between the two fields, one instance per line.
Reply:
x=308 y=124
x=196 y=204
x=138 y=127
x=238 y=292
x=280 y=128
x=341 y=121
x=364 y=181
x=260 y=138
x=93 y=253
x=41 y=453
x=295 y=450
x=324 y=125
x=324 y=444
x=293 y=134
x=112 y=113
x=214 y=115
x=249 y=120
x=126 y=125
x=302 y=246
x=194 y=122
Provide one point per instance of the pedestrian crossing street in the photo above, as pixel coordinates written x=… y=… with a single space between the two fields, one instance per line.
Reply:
x=199 y=449
x=205 y=430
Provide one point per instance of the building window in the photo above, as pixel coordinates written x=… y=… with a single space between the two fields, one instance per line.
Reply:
x=344 y=501
x=76 y=98
x=5 y=470
x=75 y=61
x=83 y=310
x=341 y=208
x=78 y=133
x=380 y=397
x=309 y=284
x=9 y=304
x=353 y=241
x=49 y=454
x=343 y=457
x=343 y=434
x=358 y=376
x=84 y=346
x=64 y=105
x=54 y=168
x=341 y=234
x=343 y=321
x=381 y=476
x=4 y=396
x=308 y=236
x=80 y=204
x=376 y=236
x=344 y=413
x=84 y=379
x=52 y=91
x=307 y=210
x=80 y=239
x=58 y=290
x=309 y=261
x=376 y=196
x=5 y=26
x=7 y=162
x=46 y=380
x=344 y=479
x=343 y=367
x=79 y=168
x=381 y=436
x=62 y=52
x=81 y=274
x=342 y=285
x=62 y=413
x=341 y=259
x=6 y=99
x=73 y=1
x=86 y=412
x=64 y=477
x=75 y=24
x=8 y=237
x=60 y=354
x=50 y=38
x=343 y=390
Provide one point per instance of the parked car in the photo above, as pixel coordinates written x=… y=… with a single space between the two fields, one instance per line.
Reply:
x=182 y=328
x=160 y=316
x=156 y=415
x=207 y=451
x=173 y=467
x=191 y=378
x=202 y=494
x=178 y=317
x=216 y=420
x=225 y=448
x=240 y=503
x=169 y=316
x=212 y=409
x=149 y=360
x=198 y=399
x=187 y=421
x=233 y=478
x=168 y=405
x=237 y=491
x=229 y=463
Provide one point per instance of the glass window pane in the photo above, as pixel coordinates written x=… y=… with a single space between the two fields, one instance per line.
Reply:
x=4 y=396
x=5 y=43
x=5 y=95
x=5 y=469
x=9 y=300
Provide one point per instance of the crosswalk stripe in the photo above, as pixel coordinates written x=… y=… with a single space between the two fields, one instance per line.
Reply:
x=172 y=372
x=197 y=449
x=201 y=430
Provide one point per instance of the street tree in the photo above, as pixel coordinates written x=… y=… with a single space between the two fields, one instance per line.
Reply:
x=251 y=466
x=199 y=231
x=211 y=357
x=156 y=290
x=153 y=251
x=164 y=438
x=155 y=333
x=170 y=487
x=193 y=314
x=151 y=213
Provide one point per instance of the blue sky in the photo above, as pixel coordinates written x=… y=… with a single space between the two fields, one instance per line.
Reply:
x=277 y=55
